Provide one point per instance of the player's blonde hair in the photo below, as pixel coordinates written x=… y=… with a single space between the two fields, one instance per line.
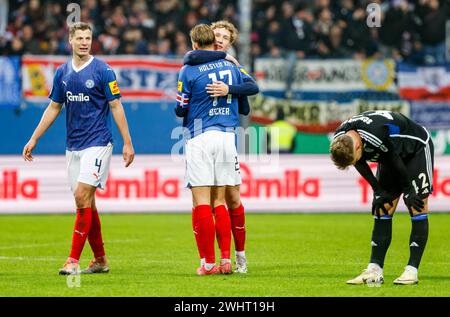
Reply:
x=202 y=35
x=342 y=151
x=228 y=26
x=79 y=26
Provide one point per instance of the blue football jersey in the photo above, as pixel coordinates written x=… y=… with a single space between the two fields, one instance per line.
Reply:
x=86 y=92
x=205 y=112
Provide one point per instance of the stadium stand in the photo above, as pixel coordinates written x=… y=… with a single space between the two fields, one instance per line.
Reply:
x=412 y=31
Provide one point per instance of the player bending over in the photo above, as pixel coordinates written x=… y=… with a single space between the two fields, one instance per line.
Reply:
x=404 y=152
x=88 y=88
x=211 y=155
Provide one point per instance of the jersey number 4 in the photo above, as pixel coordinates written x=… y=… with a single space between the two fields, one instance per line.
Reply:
x=222 y=75
x=98 y=163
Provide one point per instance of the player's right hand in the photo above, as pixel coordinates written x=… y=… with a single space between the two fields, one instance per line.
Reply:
x=128 y=154
x=27 y=149
x=412 y=200
x=217 y=89
x=380 y=198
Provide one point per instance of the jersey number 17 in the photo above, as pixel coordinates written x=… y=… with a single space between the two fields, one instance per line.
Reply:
x=222 y=75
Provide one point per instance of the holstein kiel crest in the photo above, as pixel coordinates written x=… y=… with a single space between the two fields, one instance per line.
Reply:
x=89 y=83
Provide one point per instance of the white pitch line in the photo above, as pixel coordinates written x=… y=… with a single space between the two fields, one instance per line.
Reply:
x=30 y=258
x=37 y=245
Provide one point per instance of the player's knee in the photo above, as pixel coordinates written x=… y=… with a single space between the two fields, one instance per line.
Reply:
x=233 y=200
x=233 y=204
x=218 y=202
x=83 y=198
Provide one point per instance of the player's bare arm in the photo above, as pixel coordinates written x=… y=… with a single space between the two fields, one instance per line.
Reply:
x=121 y=121
x=48 y=117
x=232 y=59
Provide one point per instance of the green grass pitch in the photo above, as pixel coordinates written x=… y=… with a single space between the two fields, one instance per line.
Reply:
x=155 y=255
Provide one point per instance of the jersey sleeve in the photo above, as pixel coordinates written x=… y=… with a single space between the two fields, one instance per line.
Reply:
x=245 y=75
x=248 y=88
x=342 y=129
x=243 y=105
x=376 y=134
x=57 y=93
x=184 y=89
x=110 y=87
x=197 y=57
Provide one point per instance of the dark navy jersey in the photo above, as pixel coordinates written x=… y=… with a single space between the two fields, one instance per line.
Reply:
x=86 y=93
x=383 y=132
x=205 y=112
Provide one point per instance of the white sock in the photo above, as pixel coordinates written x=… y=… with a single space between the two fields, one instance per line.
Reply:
x=411 y=268
x=375 y=266
x=202 y=261
x=209 y=266
x=240 y=253
x=223 y=261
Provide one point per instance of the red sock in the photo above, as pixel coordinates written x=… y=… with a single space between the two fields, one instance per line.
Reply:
x=197 y=238
x=223 y=230
x=238 y=227
x=80 y=232
x=203 y=225
x=95 y=235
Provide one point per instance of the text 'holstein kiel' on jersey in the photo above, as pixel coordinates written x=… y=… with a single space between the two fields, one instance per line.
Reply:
x=206 y=112
x=86 y=93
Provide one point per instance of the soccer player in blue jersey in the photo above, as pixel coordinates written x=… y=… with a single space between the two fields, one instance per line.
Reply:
x=225 y=35
x=87 y=87
x=211 y=156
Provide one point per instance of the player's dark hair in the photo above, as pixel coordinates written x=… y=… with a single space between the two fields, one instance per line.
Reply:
x=202 y=35
x=342 y=151
x=79 y=26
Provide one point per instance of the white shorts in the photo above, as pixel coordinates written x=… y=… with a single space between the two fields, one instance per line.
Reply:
x=211 y=160
x=89 y=166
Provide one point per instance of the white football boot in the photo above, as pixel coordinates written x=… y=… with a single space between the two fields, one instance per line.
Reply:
x=241 y=264
x=371 y=275
x=70 y=267
x=408 y=277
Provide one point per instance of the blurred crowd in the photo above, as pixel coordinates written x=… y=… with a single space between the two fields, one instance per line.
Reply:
x=120 y=26
x=412 y=31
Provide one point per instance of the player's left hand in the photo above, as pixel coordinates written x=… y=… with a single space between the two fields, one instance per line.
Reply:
x=232 y=59
x=380 y=198
x=27 y=149
x=217 y=89
x=128 y=154
x=412 y=200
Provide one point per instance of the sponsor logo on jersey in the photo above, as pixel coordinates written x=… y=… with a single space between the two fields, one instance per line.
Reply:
x=80 y=97
x=243 y=71
x=114 y=88
x=89 y=83
x=180 y=86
